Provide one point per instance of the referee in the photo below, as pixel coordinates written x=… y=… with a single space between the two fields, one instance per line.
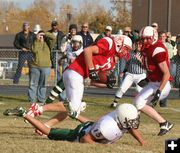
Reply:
x=134 y=74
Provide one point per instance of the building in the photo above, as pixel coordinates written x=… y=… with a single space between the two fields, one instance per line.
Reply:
x=165 y=12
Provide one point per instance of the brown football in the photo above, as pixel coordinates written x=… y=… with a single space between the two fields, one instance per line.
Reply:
x=103 y=76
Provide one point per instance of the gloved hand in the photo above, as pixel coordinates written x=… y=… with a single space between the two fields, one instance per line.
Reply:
x=111 y=80
x=93 y=75
x=156 y=98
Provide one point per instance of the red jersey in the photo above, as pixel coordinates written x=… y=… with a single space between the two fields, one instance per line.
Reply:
x=152 y=56
x=104 y=60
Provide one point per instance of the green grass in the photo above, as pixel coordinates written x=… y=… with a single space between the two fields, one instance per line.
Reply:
x=17 y=136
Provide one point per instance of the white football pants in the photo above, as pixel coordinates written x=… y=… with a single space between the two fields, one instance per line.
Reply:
x=74 y=86
x=128 y=81
x=147 y=94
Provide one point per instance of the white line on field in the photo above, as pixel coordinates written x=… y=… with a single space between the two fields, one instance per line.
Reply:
x=173 y=109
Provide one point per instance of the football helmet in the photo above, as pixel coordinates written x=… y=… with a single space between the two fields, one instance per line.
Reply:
x=76 y=42
x=127 y=116
x=122 y=43
x=37 y=28
x=148 y=35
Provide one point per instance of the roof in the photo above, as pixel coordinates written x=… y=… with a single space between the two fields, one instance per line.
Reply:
x=6 y=41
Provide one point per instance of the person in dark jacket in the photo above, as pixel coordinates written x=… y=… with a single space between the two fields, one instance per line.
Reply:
x=23 y=41
x=84 y=33
x=59 y=36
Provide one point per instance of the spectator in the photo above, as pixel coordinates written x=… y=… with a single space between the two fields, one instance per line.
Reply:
x=23 y=41
x=169 y=39
x=169 y=47
x=84 y=33
x=131 y=34
x=40 y=66
x=107 y=33
x=54 y=55
x=176 y=60
x=155 y=26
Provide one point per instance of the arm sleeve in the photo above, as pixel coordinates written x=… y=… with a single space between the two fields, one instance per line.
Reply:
x=160 y=57
x=104 y=45
x=16 y=42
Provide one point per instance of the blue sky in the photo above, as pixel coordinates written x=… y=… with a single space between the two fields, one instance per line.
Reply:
x=25 y=3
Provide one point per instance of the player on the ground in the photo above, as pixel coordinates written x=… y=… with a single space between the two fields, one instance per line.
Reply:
x=124 y=119
x=155 y=60
x=99 y=57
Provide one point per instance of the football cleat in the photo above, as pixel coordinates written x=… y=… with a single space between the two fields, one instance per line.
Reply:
x=18 y=111
x=83 y=106
x=35 y=110
x=165 y=127
x=114 y=104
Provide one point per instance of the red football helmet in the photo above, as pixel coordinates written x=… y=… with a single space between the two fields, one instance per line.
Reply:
x=148 y=35
x=123 y=43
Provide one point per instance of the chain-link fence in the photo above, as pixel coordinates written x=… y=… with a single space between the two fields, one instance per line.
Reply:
x=9 y=64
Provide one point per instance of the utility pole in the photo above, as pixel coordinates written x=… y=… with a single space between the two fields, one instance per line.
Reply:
x=169 y=15
x=149 y=12
x=68 y=9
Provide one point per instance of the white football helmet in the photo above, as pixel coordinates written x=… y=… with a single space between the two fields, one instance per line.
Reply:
x=76 y=42
x=149 y=32
x=127 y=116
x=37 y=28
x=122 y=41
x=77 y=38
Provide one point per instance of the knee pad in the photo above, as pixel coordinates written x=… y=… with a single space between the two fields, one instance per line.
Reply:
x=139 y=102
x=119 y=93
x=73 y=112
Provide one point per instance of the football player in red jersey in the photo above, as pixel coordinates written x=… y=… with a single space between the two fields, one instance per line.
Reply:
x=155 y=60
x=98 y=57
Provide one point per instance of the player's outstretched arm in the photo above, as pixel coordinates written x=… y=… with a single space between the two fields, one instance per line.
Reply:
x=88 y=138
x=166 y=74
x=136 y=135
x=83 y=119
x=38 y=124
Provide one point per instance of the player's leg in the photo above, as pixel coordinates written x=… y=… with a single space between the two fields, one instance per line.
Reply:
x=126 y=84
x=143 y=99
x=74 y=85
x=137 y=79
x=56 y=91
x=36 y=109
x=59 y=117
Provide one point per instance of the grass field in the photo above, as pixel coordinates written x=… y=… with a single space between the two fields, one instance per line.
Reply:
x=19 y=137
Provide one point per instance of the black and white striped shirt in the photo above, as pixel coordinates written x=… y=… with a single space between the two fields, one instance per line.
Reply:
x=135 y=66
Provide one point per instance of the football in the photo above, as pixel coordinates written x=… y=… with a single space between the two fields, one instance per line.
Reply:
x=103 y=76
